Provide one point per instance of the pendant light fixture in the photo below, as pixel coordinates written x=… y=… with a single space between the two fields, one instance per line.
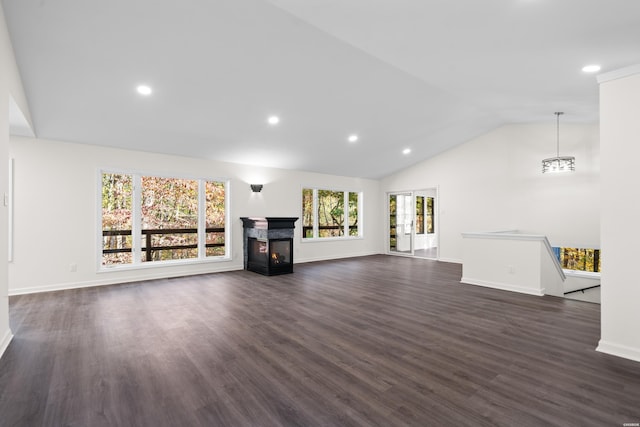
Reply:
x=558 y=164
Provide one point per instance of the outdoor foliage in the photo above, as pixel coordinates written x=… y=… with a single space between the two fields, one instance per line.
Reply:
x=430 y=216
x=169 y=203
x=307 y=212
x=580 y=259
x=393 y=210
x=117 y=193
x=419 y=214
x=215 y=216
x=330 y=213
x=353 y=214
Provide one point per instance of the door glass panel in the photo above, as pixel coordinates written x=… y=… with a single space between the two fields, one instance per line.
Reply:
x=401 y=223
x=393 y=199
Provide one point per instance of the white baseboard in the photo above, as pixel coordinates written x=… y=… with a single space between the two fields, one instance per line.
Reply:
x=112 y=280
x=619 y=350
x=8 y=336
x=502 y=286
x=328 y=258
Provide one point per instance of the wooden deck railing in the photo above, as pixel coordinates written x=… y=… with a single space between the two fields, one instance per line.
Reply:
x=307 y=229
x=149 y=249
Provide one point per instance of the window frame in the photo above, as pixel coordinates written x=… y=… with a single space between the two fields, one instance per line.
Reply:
x=346 y=232
x=136 y=217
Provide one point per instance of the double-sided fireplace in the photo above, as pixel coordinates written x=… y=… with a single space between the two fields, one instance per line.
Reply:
x=268 y=244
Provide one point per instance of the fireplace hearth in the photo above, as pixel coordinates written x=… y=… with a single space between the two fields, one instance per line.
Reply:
x=268 y=244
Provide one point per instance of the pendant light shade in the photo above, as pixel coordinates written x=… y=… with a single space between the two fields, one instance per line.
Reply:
x=558 y=164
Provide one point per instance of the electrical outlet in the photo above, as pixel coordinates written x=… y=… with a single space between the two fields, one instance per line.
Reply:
x=73 y=267
x=512 y=269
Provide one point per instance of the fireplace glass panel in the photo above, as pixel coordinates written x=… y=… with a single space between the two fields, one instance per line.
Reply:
x=259 y=249
x=280 y=252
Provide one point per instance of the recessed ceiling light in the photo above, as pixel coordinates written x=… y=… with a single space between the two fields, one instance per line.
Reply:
x=406 y=151
x=144 y=90
x=353 y=138
x=594 y=68
x=273 y=120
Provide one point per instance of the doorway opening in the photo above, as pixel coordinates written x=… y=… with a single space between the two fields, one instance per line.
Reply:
x=413 y=223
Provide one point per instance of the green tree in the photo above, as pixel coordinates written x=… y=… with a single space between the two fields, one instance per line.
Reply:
x=330 y=213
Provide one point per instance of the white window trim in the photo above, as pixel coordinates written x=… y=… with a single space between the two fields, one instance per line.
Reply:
x=316 y=225
x=136 y=249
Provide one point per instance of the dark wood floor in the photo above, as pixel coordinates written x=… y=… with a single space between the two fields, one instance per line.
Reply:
x=369 y=341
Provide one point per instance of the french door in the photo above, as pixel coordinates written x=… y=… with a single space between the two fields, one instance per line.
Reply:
x=401 y=223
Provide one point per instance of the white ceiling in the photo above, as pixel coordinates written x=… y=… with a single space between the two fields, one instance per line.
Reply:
x=425 y=75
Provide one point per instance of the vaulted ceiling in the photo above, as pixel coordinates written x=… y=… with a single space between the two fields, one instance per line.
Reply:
x=424 y=75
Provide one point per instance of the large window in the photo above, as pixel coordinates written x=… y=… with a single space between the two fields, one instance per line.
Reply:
x=330 y=213
x=147 y=219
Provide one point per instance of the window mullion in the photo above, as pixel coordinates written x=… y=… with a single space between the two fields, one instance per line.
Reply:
x=228 y=250
x=360 y=216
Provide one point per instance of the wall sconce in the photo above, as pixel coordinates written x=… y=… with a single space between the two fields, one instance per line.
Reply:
x=256 y=188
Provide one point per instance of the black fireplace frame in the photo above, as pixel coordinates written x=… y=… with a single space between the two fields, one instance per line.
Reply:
x=268 y=230
x=266 y=265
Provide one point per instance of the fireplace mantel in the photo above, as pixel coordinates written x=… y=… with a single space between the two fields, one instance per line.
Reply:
x=269 y=222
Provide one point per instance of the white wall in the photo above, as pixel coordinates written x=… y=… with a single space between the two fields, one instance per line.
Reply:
x=620 y=136
x=10 y=86
x=5 y=331
x=494 y=182
x=56 y=211
x=503 y=263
